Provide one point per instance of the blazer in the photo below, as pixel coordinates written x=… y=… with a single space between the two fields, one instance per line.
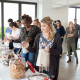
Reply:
x=62 y=31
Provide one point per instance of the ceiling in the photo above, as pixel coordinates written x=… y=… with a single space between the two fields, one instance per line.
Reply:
x=61 y=3
x=55 y=3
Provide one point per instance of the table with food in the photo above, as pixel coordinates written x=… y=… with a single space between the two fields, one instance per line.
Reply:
x=13 y=67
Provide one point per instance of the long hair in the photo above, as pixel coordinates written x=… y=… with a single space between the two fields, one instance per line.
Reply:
x=49 y=21
x=59 y=23
x=13 y=24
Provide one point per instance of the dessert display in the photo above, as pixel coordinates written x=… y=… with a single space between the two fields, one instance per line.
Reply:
x=17 y=68
x=6 y=56
x=2 y=48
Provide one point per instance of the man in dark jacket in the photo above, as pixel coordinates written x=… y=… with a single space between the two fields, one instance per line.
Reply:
x=77 y=26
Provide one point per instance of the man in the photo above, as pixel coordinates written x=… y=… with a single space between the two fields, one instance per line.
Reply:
x=8 y=30
x=77 y=26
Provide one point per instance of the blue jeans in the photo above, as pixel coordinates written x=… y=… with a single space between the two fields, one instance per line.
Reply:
x=28 y=56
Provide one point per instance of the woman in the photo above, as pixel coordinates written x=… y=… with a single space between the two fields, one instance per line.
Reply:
x=14 y=35
x=61 y=31
x=36 y=23
x=15 y=31
x=50 y=42
x=27 y=34
x=70 y=34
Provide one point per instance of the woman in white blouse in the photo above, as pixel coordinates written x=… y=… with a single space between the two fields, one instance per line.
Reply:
x=15 y=35
x=15 y=31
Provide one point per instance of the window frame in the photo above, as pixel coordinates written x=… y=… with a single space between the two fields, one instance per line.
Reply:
x=75 y=10
x=19 y=5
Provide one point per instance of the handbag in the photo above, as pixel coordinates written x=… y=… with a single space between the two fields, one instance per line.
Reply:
x=43 y=58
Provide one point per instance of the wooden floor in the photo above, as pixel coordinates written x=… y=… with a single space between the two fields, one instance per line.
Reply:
x=69 y=71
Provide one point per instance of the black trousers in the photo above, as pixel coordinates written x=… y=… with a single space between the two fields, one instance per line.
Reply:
x=76 y=40
x=11 y=45
x=61 y=45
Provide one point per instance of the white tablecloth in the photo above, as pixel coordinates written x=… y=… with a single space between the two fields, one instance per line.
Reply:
x=5 y=74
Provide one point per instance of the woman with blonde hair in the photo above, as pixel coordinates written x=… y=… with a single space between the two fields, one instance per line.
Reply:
x=70 y=34
x=47 y=46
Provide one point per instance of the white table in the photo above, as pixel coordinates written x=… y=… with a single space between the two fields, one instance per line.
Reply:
x=5 y=74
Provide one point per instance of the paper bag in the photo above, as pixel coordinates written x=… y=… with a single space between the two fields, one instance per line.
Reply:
x=43 y=58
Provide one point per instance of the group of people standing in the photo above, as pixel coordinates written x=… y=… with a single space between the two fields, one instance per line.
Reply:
x=36 y=40
x=72 y=33
x=42 y=41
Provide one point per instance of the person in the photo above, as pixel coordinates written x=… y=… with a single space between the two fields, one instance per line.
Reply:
x=15 y=31
x=61 y=31
x=27 y=34
x=36 y=23
x=49 y=42
x=77 y=26
x=8 y=30
x=54 y=24
x=70 y=34
x=18 y=22
x=15 y=35
x=77 y=35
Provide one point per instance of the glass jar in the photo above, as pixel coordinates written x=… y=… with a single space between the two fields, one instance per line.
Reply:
x=6 y=56
x=17 y=68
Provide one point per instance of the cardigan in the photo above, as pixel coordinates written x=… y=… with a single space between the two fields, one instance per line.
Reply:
x=62 y=31
x=54 y=53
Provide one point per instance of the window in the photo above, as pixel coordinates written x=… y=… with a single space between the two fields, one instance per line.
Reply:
x=78 y=15
x=28 y=9
x=10 y=11
x=74 y=13
x=71 y=14
x=14 y=10
x=0 y=21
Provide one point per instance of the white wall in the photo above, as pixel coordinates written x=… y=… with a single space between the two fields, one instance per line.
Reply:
x=62 y=14
x=39 y=10
x=54 y=13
